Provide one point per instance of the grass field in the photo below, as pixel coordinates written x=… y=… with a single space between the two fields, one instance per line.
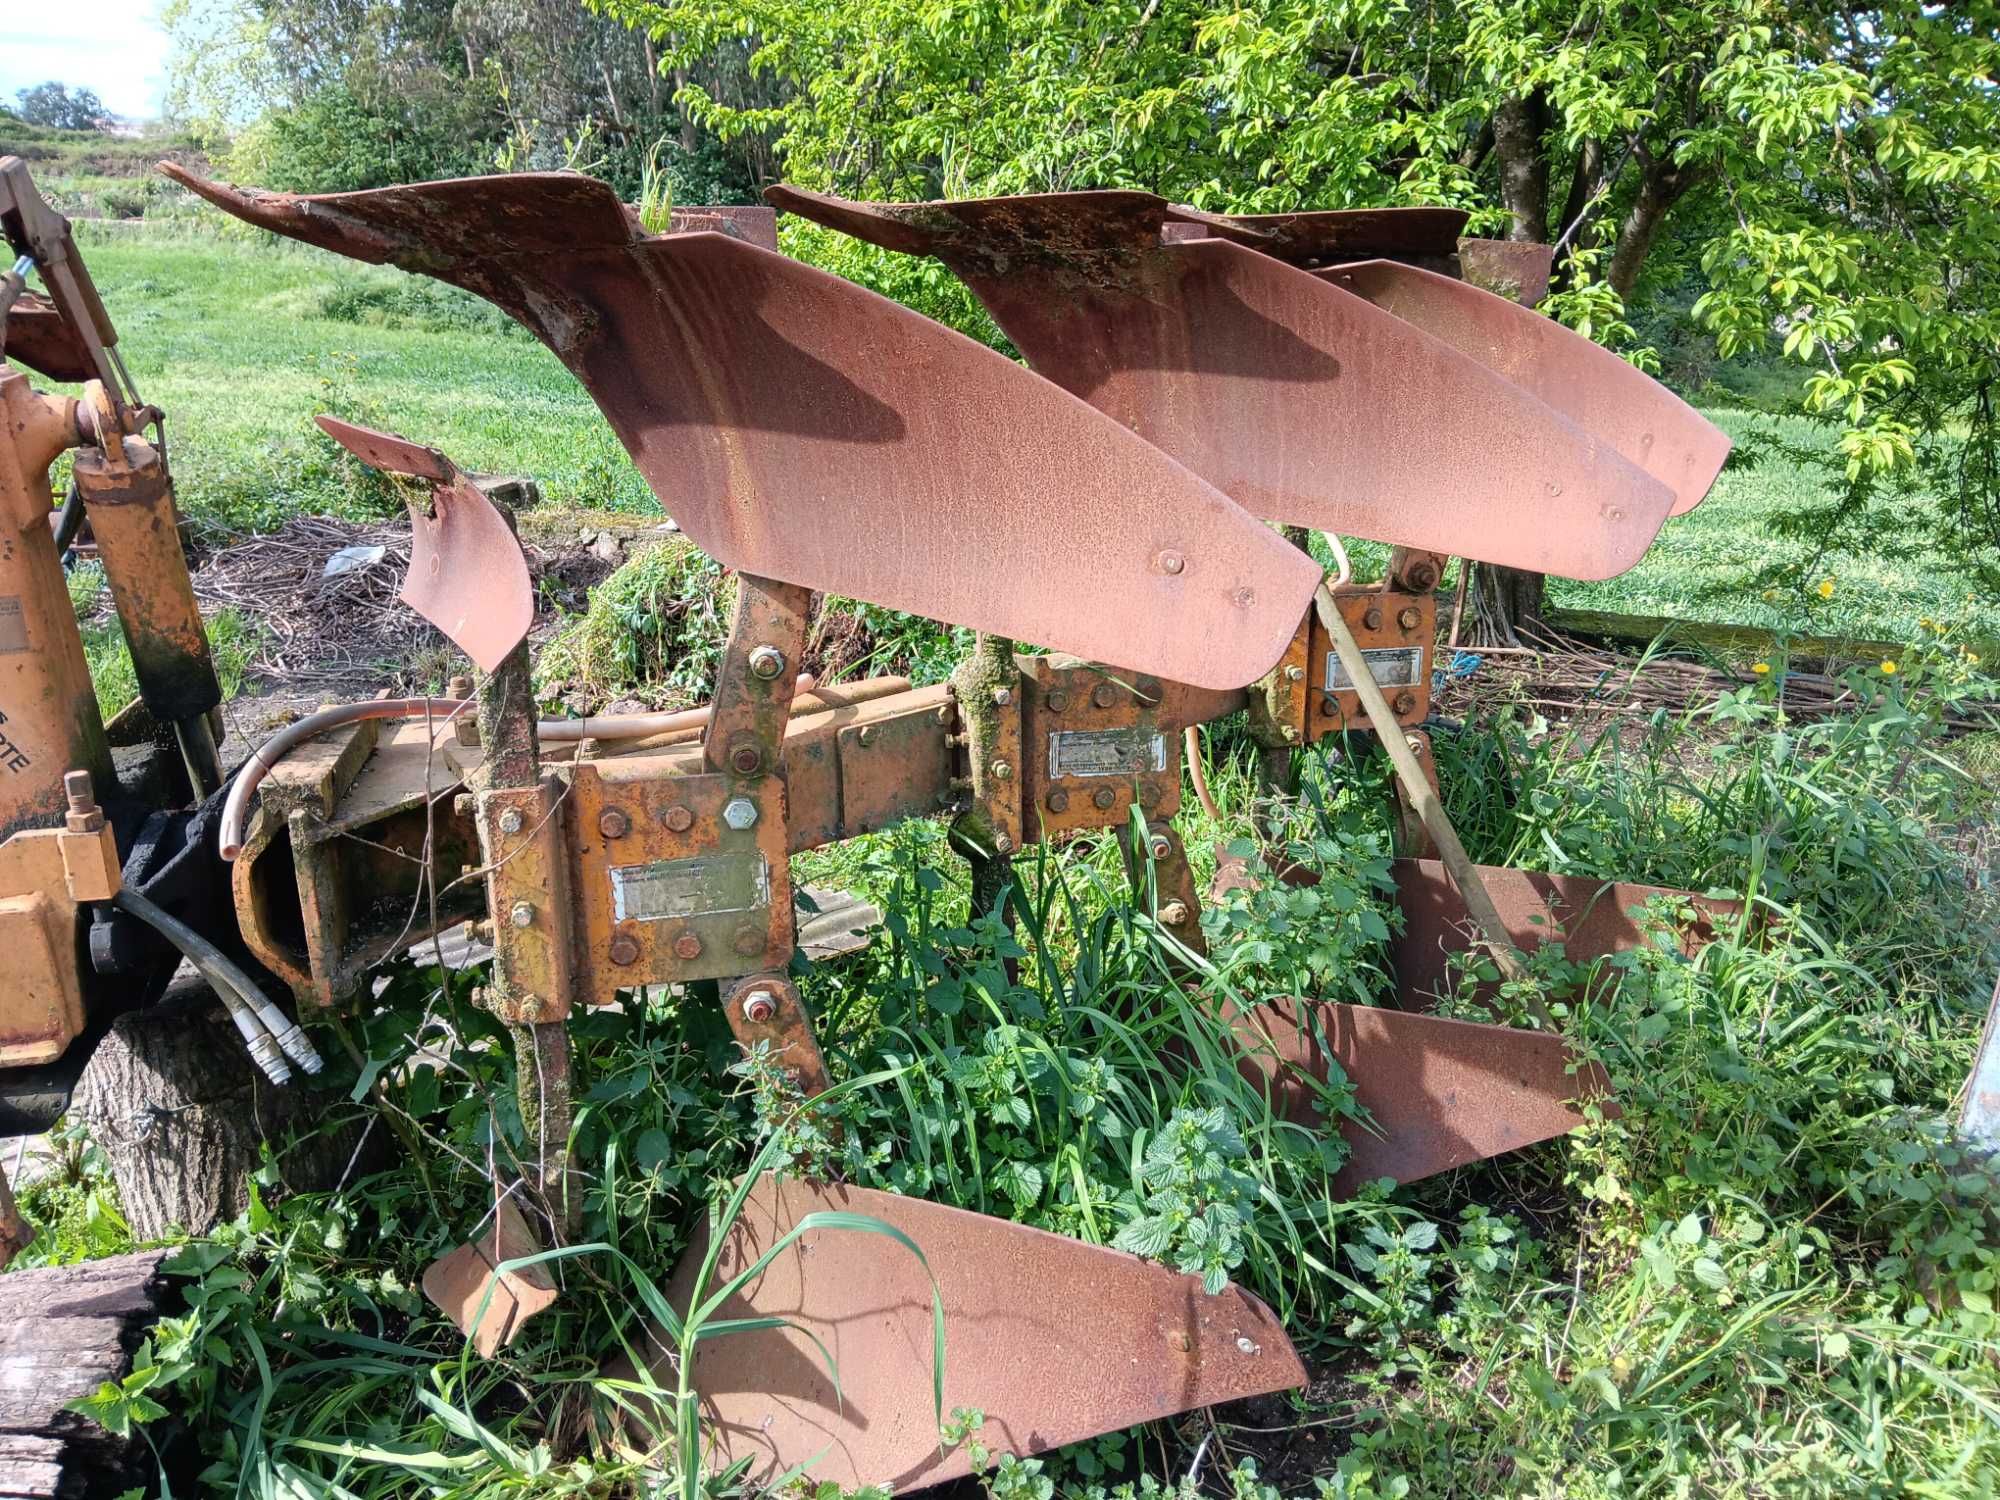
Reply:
x=243 y=339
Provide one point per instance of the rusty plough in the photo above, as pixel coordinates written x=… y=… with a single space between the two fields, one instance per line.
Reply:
x=1191 y=378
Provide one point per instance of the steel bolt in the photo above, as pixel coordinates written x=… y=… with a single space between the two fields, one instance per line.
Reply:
x=1002 y=844
x=1329 y=704
x=1409 y=618
x=1373 y=619
x=459 y=687
x=1058 y=801
x=866 y=735
x=759 y=1006
x=678 y=819
x=739 y=813
x=745 y=759
x=462 y=805
x=523 y=914
x=944 y=713
x=1295 y=674
x=1423 y=578
x=766 y=662
x=1057 y=701
x=1417 y=745
x=510 y=820
x=1174 y=913
x=687 y=947
x=624 y=950
x=1103 y=796
x=1002 y=771
x=613 y=823
x=1104 y=695
x=85 y=816
x=1002 y=697
x=1161 y=846
x=1171 y=561
x=1149 y=795
x=749 y=940
x=1405 y=702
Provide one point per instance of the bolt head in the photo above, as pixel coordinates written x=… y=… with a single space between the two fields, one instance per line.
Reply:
x=510 y=820
x=1295 y=673
x=1002 y=697
x=1405 y=702
x=865 y=735
x=1058 y=801
x=1423 y=578
x=687 y=947
x=759 y=1006
x=745 y=759
x=523 y=914
x=1104 y=695
x=1417 y=745
x=678 y=819
x=739 y=813
x=1057 y=701
x=1160 y=845
x=624 y=950
x=1002 y=771
x=1409 y=619
x=1174 y=913
x=1373 y=619
x=76 y=784
x=613 y=823
x=944 y=713
x=767 y=662
x=1002 y=844
x=1329 y=704
x=1171 y=561
x=1103 y=797
x=749 y=941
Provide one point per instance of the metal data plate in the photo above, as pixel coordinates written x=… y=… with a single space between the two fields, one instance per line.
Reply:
x=1393 y=666
x=1106 y=752
x=700 y=886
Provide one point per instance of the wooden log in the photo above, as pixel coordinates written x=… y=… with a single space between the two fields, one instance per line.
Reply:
x=64 y=1331
x=1600 y=625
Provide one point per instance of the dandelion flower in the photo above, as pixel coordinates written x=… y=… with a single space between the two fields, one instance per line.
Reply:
x=1888 y=669
x=1972 y=657
x=1826 y=588
x=1762 y=668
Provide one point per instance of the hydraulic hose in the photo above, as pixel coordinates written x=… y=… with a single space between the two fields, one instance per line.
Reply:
x=270 y=1034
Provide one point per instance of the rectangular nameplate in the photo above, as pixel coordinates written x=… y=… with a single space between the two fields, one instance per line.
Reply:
x=1105 y=752
x=701 y=885
x=1393 y=666
x=13 y=625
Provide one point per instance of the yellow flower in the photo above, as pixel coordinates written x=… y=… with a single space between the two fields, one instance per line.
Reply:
x=1972 y=657
x=1826 y=588
x=1762 y=668
x=1888 y=669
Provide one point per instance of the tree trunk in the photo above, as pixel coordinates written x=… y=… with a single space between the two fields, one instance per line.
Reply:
x=1518 y=126
x=65 y=1330
x=182 y=1113
x=1661 y=186
x=1505 y=598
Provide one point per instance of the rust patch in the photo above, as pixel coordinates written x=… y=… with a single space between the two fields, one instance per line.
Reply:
x=489 y=1305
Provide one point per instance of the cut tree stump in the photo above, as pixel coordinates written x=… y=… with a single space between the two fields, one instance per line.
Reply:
x=182 y=1114
x=64 y=1331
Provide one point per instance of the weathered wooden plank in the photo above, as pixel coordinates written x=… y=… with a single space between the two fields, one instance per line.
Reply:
x=64 y=1330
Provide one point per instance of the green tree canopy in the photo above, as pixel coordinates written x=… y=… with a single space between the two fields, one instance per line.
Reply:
x=61 y=107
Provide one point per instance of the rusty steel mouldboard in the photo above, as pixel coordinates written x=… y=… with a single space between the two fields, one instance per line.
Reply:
x=467 y=575
x=1441 y=1093
x=1305 y=403
x=805 y=429
x=1053 y=1339
x=1601 y=393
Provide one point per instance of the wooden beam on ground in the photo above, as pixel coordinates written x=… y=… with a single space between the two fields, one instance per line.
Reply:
x=65 y=1330
x=1752 y=639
